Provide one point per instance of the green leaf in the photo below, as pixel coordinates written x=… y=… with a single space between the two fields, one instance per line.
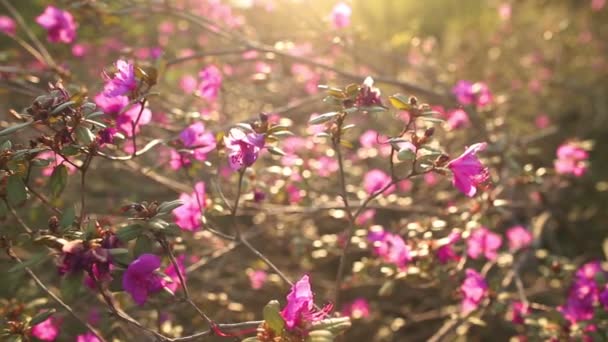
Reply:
x=84 y=135
x=431 y=119
x=323 y=118
x=71 y=285
x=335 y=325
x=167 y=207
x=143 y=245
x=272 y=316
x=129 y=233
x=400 y=102
x=406 y=154
x=14 y=128
x=34 y=260
x=41 y=317
x=275 y=150
x=70 y=150
x=69 y=215
x=373 y=109
x=59 y=179
x=320 y=336
x=15 y=190
x=6 y=145
x=61 y=107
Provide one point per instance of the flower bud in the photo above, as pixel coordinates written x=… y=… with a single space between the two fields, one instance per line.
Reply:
x=429 y=132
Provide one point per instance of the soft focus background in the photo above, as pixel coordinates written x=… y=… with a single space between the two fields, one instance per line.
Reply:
x=544 y=61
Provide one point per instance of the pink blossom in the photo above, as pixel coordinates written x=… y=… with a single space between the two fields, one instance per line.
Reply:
x=542 y=121
x=324 y=166
x=504 y=11
x=140 y=279
x=188 y=84
x=457 y=118
x=519 y=237
x=211 y=82
x=468 y=171
x=123 y=82
x=483 y=242
x=390 y=247
x=358 y=308
x=597 y=5
x=188 y=216
x=299 y=310
x=340 y=15
x=79 y=50
x=47 y=330
x=518 y=311
x=369 y=95
x=257 y=279
x=171 y=272
x=199 y=141
x=430 y=179
x=125 y=122
x=243 y=148
x=584 y=293
x=7 y=25
x=111 y=105
x=88 y=337
x=468 y=93
x=376 y=180
x=445 y=253
x=365 y=217
x=59 y=25
x=294 y=194
x=55 y=160
x=571 y=159
x=474 y=290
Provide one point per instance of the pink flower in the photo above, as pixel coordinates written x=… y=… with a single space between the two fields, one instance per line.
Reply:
x=504 y=11
x=457 y=118
x=519 y=237
x=126 y=120
x=584 y=293
x=199 y=142
x=483 y=242
x=47 y=330
x=88 y=337
x=598 y=5
x=340 y=15
x=468 y=171
x=140 y=280
x=365 y=217
x=211 y=82
x=542 y=121
x=445 y=253
x=55 y=160
x=59 y=25
x=368 y=95
x=171 y=272
x=358 y=308
x=123 y=82
x=257 y=279
x=468 y=93
x=188 y=84
x=390 y=247
x=111 y=105
x=375 y=180
x=188 y=216
x=571 y=159
x=7 y=25
x=299 y=310
x=518 y=311
x=474 y=290
x=243 y=148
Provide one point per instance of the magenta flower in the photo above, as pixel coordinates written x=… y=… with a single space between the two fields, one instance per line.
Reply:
x=199 y=142
x=519 y=237
x=123 y=82
x=299 y=312
x=188 y=216
x=114 y=106
x=59 y=25
x=368 y=95
x=7 y=25
x=55 y=160
x=140 y=280
x=88 y=337
x=445 y=253
x=375 y=180
x=211 y=82
x=257 y=279
x=542 y=121
x=457 y=118
x=518 y=311
x=468 y=93
x=474 y=290
x=243 y=148
x=188 y=84
x=571 y=159
x=584 y=293
x=340 y=15
x=358 y=308
x=389 y=247
x=171 y=272
x=47 y=330
x=468 y=171
x=483 y=242
x=597 y=5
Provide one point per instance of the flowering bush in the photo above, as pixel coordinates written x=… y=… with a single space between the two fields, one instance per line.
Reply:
x=302 y=171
